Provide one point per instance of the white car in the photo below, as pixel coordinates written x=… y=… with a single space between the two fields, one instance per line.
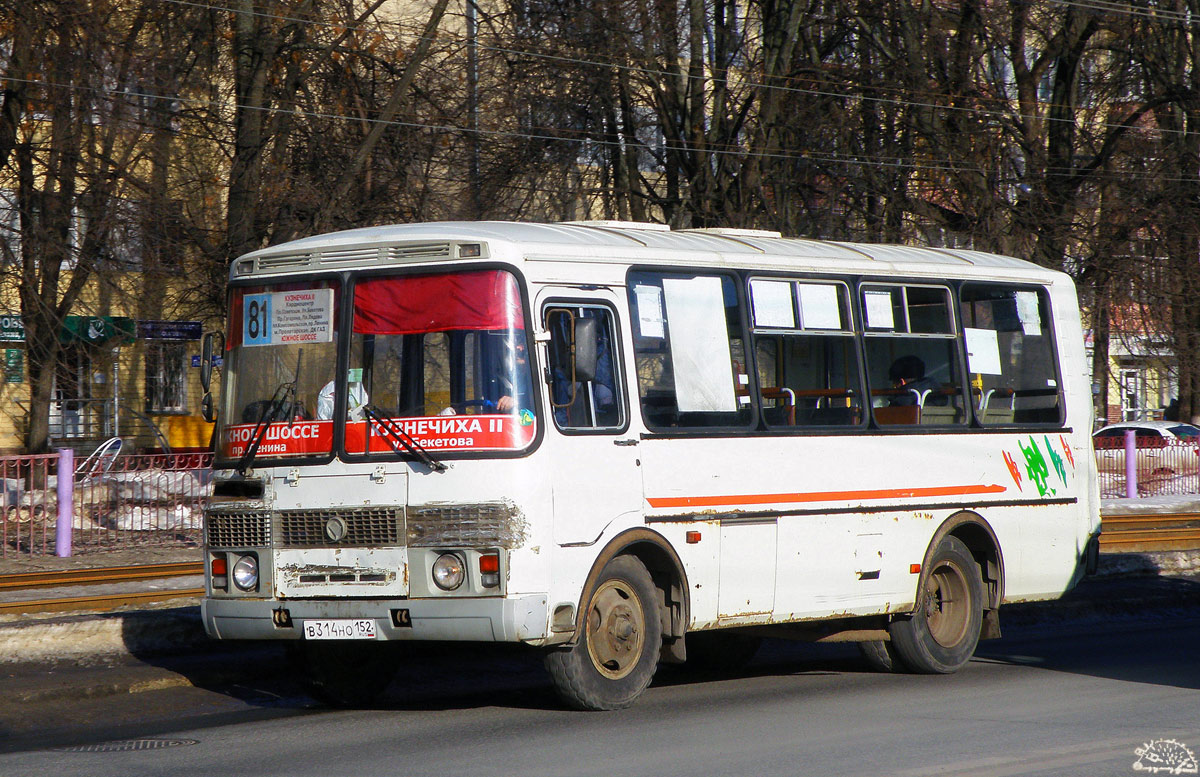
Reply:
x=1158 y=444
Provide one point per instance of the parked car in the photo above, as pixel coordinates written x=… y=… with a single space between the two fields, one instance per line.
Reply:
x=1158 y=446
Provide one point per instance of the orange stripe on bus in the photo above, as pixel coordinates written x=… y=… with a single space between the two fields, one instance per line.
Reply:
x=820 y=496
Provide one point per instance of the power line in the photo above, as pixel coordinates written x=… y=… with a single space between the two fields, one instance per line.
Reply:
x=925 y=164
x=653 y=74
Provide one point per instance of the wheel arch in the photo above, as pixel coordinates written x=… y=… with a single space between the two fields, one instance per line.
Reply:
x=974 y=531
x=666 y=570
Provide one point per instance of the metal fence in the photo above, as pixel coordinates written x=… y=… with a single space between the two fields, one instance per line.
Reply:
x=117 y=501
x=1160 y=467
x=136 y=500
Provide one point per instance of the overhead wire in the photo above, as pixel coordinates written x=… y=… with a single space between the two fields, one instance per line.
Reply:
x=663 y=146
x=926 y=164
x=654 y=73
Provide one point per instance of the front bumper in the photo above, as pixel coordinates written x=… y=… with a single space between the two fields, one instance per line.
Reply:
x=494 y=619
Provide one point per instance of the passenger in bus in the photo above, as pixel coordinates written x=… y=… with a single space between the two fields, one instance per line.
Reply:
x=908 y=373
x=354 y=405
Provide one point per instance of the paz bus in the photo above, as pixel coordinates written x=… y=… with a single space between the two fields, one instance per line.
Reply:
x=621 y=444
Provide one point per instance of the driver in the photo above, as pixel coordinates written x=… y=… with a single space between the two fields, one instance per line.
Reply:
x=510 y=389
x=516 y=382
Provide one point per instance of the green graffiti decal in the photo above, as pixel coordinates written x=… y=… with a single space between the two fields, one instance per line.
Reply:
x=1036 y=467
x=1060 y=466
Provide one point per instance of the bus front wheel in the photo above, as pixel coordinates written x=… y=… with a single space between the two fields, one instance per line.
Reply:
x=616 y=654
x=940 y=636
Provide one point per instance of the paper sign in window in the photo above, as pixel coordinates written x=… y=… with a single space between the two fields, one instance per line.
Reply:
x=699 y=345
x=878 y=306
x=983 y=351
x=294 y=317
x=1027 y=311
x=819 y=307
x=650 y=311
x=772 y=301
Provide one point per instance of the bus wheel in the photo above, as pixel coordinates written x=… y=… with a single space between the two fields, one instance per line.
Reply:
x=346 y=674
x=881 y=656
x=617 y=652
x=941 y=635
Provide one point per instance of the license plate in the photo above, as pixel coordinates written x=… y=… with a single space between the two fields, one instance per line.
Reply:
x=359 y=628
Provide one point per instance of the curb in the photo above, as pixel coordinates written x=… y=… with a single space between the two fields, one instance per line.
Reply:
x=95 y=636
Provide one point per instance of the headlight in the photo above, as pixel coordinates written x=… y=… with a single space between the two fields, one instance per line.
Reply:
x=448 y=572
x=245 y=573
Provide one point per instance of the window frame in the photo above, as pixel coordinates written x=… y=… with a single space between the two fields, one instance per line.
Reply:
x=954 y=337
x=160 y=346
x=346 y=322
x=617 y=351
x=737 y=280
x=1046 y=300
x=848 y=329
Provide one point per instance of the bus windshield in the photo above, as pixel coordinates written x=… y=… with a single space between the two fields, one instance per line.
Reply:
x=438 y=363
x=280 y=354
x=441 y=359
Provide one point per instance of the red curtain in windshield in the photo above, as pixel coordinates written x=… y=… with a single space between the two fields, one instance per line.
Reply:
x=436 y=303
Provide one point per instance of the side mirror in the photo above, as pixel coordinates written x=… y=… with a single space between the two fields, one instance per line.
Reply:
x=212 y=344
x=206 y=408
x=587 y=345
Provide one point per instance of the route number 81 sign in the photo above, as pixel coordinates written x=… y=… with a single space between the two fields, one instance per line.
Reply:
x=288 y=317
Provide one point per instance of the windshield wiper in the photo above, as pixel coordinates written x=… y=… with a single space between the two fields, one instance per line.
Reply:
x=398 y=438
x=284 y=396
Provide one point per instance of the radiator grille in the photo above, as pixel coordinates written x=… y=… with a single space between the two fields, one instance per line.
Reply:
x=484 y=524
x=363 y=527
x=238 y=528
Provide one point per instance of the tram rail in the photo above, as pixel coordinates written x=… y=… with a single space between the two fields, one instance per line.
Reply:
x=66 y=598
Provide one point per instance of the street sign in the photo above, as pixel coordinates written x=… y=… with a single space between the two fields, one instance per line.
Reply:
x=169 y=330
x=14 y=365
x=12 y=329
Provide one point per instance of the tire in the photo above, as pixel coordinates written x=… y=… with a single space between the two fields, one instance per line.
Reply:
x=720 y=652
x=346 y=674
x=617 y=652
x=881 y=656
x=940 y=636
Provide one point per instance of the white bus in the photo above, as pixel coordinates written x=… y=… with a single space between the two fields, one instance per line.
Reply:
x=622 y=444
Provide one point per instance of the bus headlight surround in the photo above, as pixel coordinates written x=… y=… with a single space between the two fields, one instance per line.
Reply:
x=449 y=572
x=245 y=573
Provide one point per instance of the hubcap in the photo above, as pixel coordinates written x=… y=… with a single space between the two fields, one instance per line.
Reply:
x=615 y=629
x=947 y=605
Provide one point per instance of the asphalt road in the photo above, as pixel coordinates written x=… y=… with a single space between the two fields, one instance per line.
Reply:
x=1079 y=697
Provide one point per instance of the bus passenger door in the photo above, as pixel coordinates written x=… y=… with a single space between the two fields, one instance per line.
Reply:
x=592 y=457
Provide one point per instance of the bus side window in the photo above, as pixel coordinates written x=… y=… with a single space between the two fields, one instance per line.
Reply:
x=584 y=393
x=805 y=351
x=1010 y=355
x=912 y=354
x=689 y=350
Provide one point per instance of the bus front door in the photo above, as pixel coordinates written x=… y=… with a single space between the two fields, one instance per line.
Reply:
x=593 y=457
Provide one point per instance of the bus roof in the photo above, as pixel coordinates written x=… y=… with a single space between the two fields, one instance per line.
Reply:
x=624 y=242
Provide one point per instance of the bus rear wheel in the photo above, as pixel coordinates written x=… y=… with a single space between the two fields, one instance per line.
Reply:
x=617 y=652
x=940 y=636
